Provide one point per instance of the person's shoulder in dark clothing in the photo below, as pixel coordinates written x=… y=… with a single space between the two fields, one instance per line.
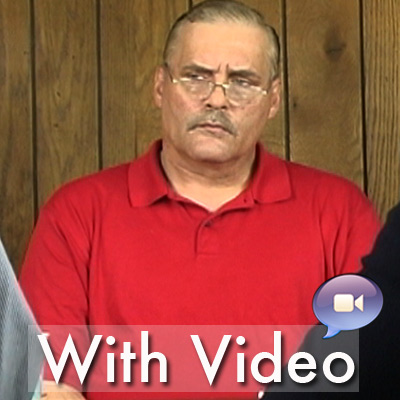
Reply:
x=379 y=346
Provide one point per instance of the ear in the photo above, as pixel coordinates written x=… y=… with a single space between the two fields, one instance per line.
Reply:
x=275 y=98
x=158 y=86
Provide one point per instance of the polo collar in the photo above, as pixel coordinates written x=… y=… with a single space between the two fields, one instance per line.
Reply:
x=147 y=182
x=271 y=180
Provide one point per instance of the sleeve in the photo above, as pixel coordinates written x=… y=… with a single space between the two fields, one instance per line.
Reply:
x=351 y=227
x=54 y=278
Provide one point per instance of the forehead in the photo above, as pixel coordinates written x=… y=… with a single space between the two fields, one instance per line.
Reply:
x=220 y=44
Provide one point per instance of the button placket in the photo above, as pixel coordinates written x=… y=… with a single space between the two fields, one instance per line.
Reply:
x=208 y=241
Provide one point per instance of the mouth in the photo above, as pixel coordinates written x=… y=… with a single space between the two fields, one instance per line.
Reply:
x=213 y=128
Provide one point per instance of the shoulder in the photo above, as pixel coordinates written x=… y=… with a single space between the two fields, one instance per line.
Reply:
x=304 y=182
x=322 y=182
x=77 y=208
x=331 y=194
x=92 y=190
x=319 y=191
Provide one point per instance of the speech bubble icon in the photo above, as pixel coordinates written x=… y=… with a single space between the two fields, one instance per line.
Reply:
x=347 y=302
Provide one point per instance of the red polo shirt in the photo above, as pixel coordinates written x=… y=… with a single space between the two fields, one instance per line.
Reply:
x=120 y=247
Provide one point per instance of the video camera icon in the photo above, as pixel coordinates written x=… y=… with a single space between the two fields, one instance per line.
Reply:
x=346 y=303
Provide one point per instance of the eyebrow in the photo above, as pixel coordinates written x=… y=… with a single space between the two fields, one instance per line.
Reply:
x=245 y=73
x=198 y=68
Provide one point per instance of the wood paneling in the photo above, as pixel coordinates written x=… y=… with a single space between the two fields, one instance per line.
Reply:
x=382 y=100
x=90 y=96
x=66 y=81
x=16 y=169
x=132 y=39
x=274 y=136
x=324 y=68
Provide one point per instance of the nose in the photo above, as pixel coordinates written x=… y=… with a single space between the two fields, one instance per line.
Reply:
x=217 y=98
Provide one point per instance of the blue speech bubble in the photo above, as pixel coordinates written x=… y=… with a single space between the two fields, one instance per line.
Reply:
x=347 y=302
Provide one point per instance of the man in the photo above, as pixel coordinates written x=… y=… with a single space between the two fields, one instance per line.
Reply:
x=17 y=336
x=207 y=227
x=378 y=341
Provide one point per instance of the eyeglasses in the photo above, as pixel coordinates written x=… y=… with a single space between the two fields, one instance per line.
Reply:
x=239 y=91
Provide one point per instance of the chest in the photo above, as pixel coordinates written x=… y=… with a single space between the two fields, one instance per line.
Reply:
x=242 y=267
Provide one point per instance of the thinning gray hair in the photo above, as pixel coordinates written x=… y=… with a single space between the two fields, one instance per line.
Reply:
x=229 y=11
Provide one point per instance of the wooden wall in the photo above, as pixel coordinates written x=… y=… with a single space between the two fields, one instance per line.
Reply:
x=76 y=78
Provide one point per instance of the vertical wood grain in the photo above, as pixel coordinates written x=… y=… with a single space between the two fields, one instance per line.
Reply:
x=382 y=101
x=132 y=38
x=16 y=167
x=274 y=136
x=325 y=96
x=71 y=44
x=66 y=76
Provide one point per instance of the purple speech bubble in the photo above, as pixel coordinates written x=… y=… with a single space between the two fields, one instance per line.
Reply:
x=347 y=302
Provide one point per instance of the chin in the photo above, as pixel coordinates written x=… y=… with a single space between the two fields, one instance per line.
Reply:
x=210 y=156
x=214 y=150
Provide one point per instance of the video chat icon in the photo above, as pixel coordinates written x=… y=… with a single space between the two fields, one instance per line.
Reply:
x=347 y=302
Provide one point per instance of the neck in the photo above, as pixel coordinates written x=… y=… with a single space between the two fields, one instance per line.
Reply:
x=209 y=184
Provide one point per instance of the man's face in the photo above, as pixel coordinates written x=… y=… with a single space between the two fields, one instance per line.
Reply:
x=214 y=130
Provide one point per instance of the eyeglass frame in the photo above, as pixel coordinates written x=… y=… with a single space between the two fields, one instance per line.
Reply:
x=225 y=87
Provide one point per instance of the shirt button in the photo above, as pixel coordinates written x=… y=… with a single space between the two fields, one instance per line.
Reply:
x=208 y=224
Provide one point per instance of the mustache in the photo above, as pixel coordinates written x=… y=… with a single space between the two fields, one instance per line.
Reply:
x=212 y=117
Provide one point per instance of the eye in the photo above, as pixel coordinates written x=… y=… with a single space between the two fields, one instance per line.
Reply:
x=241 y=82
x=195 y=77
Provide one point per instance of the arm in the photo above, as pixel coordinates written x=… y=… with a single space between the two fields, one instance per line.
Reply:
x=350 y=225
x=55 y=277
